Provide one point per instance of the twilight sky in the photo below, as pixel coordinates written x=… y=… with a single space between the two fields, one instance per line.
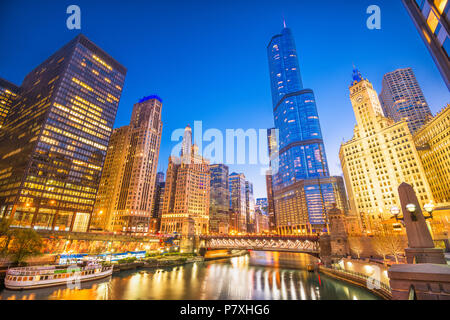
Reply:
x=207 y=59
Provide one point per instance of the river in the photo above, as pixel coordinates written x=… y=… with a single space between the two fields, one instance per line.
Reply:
x=258 y=276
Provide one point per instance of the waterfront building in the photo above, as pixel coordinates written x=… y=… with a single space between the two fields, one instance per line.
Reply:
x=54 y=142
x=250 y=207
x=219 y=211
x=380 y=156
x=299 y=206
x=187 y=191
x=431 y=20
x=433 y=144
x=401 y=98
x=300 y=147
x=133 y=177
x=238 y=203
x=9 y=92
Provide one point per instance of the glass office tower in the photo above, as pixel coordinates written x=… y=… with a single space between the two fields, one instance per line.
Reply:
x=302 y=175
x=401 y=98
x=55 y=138
x=219 y=198
x=301 y=149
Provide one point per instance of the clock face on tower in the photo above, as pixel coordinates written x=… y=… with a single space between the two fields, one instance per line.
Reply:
x=359 y=98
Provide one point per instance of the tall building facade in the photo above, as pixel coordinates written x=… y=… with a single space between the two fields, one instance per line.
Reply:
x=9 y=92
x=238 y=204
x=270 y=202
x=431 y=20
x=219 y=217
x=187 y=191
x=300 y=147
x=380 y=156
x=54 y=141
x=402 y=98
x=108 y=191
x=433 y=144
x=250 y=207
x=135 y=180
x=157 y=204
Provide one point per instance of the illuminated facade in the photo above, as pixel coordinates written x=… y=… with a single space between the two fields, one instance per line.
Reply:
x=8 y=94
x=187 y=191
x=135 y=181
x=54 y=142
x=108 y=191
x=219 y=200
x=433 y=145
x=431 y=20
x=402 y=98
x=250 y=207
x=238 y=204
x=296 y=204
x=380 y=156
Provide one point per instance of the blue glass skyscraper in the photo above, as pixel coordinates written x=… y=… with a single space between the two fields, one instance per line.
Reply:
x=301 y=149
x=302 y=186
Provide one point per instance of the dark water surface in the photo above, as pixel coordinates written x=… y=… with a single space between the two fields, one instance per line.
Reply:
x=259 y=276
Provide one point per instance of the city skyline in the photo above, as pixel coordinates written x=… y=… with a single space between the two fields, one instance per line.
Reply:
x=249 y=92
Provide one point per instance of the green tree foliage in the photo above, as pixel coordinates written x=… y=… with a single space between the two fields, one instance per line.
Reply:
x=26 y=243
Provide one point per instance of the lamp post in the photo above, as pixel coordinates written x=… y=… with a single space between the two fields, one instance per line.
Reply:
x=411 y=208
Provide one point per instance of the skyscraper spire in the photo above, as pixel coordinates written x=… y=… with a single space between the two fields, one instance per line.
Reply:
x=284 y=23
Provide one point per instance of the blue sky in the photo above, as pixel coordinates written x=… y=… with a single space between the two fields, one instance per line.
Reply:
x=207 y=59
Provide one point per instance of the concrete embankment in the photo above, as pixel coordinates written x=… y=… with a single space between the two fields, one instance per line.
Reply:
x=376 y=289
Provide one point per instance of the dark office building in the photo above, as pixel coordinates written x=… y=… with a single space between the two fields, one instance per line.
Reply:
x=8 y=94
x=158 y=198
x=55 y=138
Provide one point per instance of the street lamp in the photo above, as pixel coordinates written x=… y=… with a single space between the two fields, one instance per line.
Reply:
x=429 y=207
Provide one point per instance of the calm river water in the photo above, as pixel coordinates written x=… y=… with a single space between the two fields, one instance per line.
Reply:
x=259 y=276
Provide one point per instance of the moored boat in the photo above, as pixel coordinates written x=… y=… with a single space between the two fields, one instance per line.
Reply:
x=48 y=276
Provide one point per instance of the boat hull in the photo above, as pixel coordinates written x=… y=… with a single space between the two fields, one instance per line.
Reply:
x=26 y=285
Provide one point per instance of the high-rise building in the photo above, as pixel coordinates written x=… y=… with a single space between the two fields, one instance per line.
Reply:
x=402 y=98
x=219 y=210
x=135 y=178
x=238 y=204
x=431 y=20
x=300 y=145
x=300 y=148
x=433 y=144
x=9 y=92
x=270 y=202
x=108 y=191
x=187 y=191
x=380 y=156
x=250 y=207
x=157 y=204
x=160 y=177
x=54 y=142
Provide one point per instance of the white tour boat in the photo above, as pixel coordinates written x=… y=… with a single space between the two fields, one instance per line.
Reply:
x=48 y=276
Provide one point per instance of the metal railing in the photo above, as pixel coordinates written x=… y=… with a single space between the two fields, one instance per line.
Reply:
x=368 y=279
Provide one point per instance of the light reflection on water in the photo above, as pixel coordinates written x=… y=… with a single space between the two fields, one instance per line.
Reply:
x=260 y=276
